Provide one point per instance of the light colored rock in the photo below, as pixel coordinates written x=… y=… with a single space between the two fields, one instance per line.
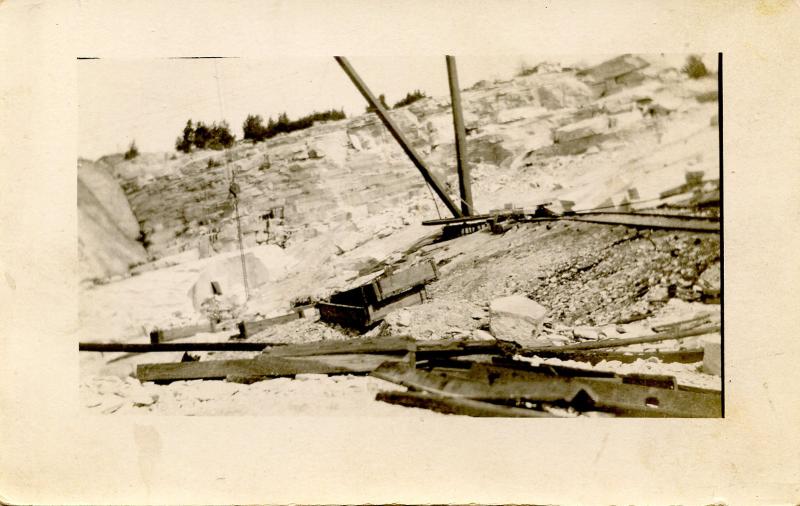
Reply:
x=228 y=273
x=710 y=280
x=403 y=318
x=104 y=249
x=712 y=354
x=482 y=335
x=143 y=399
x=586 y=128
x=616 y=67
x=516 y=318
x=585 y=333
x=658 y=294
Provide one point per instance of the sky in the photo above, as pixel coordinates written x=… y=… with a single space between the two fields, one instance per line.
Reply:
x=149 y=100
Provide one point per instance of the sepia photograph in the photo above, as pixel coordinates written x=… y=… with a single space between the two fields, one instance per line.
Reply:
x=510 y=252
x=431 y=236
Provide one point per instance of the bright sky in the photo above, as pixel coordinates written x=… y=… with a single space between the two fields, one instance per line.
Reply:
x=150 y=100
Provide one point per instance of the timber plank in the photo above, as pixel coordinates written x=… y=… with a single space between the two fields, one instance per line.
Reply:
x=407 y=279
x=343 y=314
x=261 y=367
x=411 y=299
x=504 y=384
x=614 y=343
x=689 y=356
x=457 y=406
x=364 y=345
x=248 y=328
x=163 y=335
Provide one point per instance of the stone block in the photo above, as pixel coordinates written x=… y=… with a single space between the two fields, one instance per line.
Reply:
x=516 y=318
x=581 y=129
x=712 y=355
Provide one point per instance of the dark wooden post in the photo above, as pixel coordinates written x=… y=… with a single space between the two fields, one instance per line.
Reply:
x=464 y=185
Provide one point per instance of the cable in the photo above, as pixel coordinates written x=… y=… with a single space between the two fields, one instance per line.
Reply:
x=234 y=191
x=434 y=200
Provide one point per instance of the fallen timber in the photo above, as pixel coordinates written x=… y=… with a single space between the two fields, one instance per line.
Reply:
x=614 y=343
x=335 y=357
x=172 y=347
x=365 y=305
x=386 y=345
x=645 y=220
x=635 y=220
x=457 y=406
x=505 y=385
x=689 y=356
x=246 y=328
x=261 y=367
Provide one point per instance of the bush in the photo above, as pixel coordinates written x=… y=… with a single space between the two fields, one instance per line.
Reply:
x=694 y=68
x=220 y=136
x=185 y=143
x=253 y=128
x=410 y=98
x=132 y=152
x=525 y=70
x=382 y=100
x=205 y=137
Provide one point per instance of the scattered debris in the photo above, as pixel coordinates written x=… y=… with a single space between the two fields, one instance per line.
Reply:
x=604 y=223
x=369 y=303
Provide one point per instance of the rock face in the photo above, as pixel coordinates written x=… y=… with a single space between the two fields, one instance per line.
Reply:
x=516 y=318
x=107 y=229
x=341 y=175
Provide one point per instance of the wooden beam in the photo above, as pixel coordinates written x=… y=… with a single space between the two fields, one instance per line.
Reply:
x=172 y=347
x=247 y=329
x=387 y=120
x=457 y=406
x=462 y=164
x=626 y=341
x=366 y=345
x=164 y=335
x=410 y=298
x=344 y=314
x=406 y=279
x=506 y=384
x=689 y=356
x=261 y=367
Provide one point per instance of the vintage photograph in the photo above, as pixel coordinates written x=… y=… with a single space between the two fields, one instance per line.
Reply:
x=425 y=236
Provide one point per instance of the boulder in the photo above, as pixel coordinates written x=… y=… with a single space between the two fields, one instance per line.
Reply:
x=586 y=128
x=516 y=318
x=615 y=67
x=227 y=272
x=712 y=354
x=710 y=281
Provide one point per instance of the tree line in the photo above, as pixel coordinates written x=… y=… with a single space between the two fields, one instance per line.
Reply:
x=255 y=130
x=214 y=136
x=218 y=135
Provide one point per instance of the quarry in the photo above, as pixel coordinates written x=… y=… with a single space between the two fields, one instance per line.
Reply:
x=340 y=271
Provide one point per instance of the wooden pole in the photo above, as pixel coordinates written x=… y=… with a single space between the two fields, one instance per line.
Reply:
x=464 y=185
x=430 y=178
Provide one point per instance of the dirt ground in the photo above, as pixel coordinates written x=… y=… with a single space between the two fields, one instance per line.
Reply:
x=584 y=274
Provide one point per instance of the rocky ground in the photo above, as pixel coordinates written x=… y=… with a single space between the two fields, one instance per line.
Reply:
x=354 y=205
x=591 y=278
